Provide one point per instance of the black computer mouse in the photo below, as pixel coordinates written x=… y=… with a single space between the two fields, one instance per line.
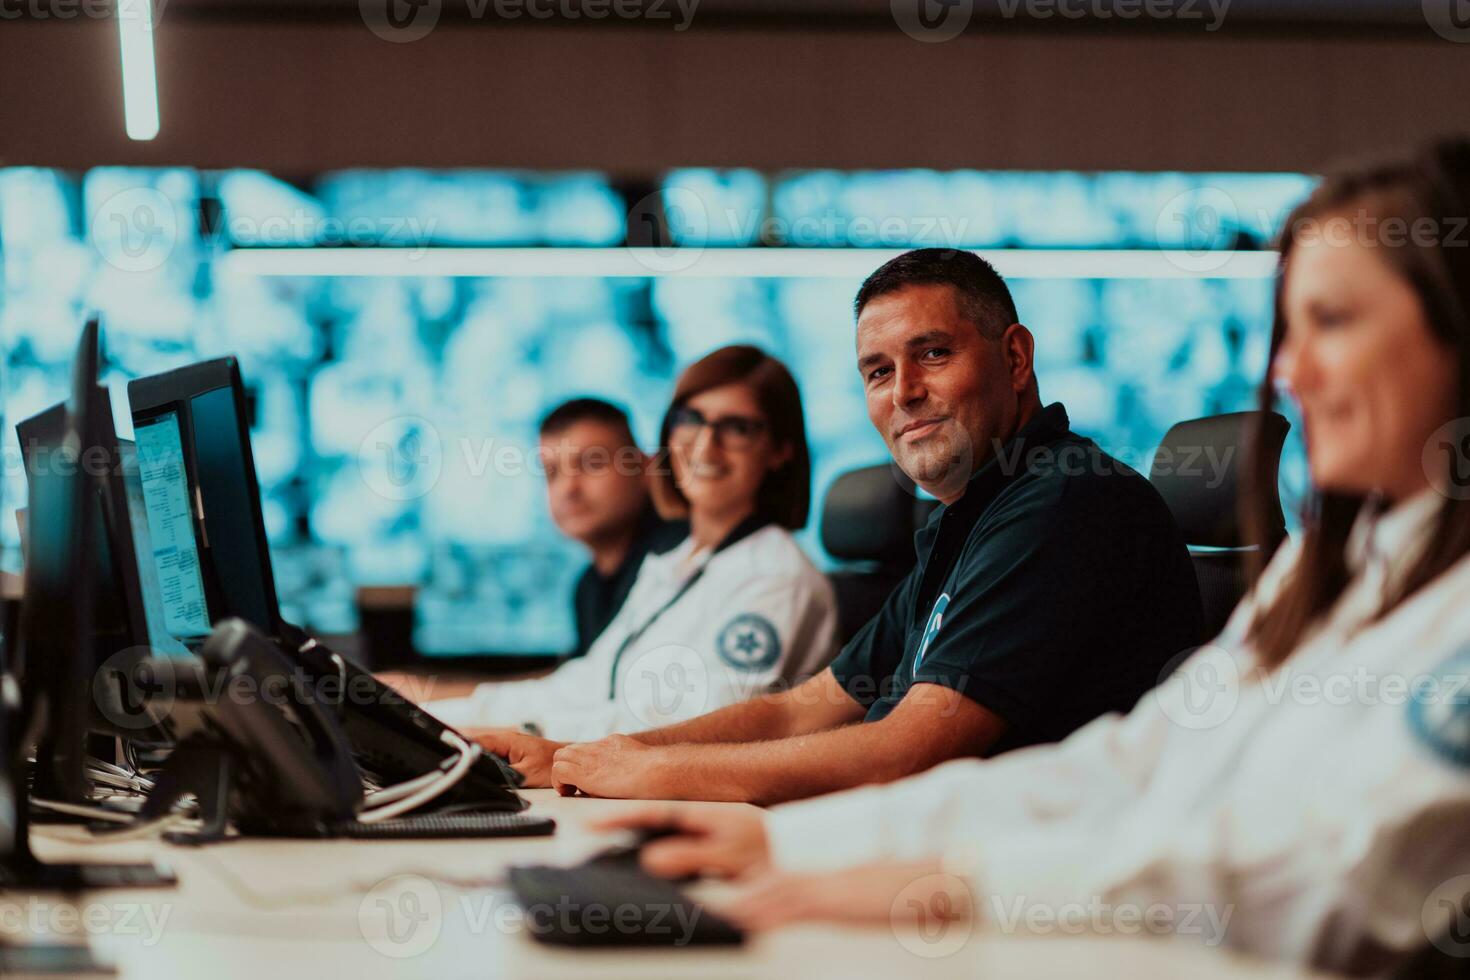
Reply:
x=625 y=856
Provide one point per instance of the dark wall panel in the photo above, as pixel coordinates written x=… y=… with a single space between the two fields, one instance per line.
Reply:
x=299 y=97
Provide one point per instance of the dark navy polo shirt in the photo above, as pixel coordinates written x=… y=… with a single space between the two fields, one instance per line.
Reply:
x=1055 y=590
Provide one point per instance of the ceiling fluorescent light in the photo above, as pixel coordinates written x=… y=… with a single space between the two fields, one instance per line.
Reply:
x=139 y=74
x=742 y=263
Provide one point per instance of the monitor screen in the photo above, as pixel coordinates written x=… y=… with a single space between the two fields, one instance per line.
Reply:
x=160 y=639
x=170 y=517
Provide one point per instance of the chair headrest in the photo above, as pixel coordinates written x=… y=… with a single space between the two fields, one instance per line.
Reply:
x=871 y=515
x=1200 y=468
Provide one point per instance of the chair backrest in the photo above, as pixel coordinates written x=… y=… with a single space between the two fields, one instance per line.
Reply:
x=1443 y=959
x=1199 y=470
x=869 y=518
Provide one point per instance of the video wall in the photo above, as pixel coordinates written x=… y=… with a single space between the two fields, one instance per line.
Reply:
x=394 y=411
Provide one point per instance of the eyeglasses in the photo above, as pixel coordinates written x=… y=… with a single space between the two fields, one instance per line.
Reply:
x=733 y=431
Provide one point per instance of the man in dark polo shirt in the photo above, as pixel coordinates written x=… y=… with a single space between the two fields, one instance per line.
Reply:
x=598 y=495
x=1053 y=585
x=1052 y=591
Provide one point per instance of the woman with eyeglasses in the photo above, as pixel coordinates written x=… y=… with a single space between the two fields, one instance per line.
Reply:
x=1300 y=790
x=735 y=610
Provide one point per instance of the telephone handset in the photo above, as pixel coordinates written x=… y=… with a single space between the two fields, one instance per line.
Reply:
x=260 y=749
x=301 y=760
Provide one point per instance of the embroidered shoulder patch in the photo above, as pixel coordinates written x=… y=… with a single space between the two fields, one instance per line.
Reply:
x=931 y=629
x=749 y=642
x=1439 y=713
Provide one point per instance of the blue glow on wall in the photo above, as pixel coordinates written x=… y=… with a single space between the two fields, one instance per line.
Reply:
x=349 y=375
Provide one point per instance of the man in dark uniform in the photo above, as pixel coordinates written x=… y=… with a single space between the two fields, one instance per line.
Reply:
x=1052 y=587
x=598 y=493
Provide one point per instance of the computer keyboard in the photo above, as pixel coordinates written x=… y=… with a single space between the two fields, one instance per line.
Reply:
x=592 y=905
x=441 y=825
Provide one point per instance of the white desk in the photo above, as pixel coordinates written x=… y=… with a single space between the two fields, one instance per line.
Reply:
x=328 y=910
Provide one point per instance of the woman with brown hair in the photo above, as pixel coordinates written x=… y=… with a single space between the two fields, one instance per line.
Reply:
x=1300 y=789
x=733 y=611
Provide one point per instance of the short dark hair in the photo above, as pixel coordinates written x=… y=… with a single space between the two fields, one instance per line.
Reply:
x=982 y=294
x=569 y=413
x=785 y=496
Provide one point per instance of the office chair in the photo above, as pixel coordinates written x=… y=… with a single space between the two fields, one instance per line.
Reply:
x=868 y=522
x=1199 y=469
x=1434 y=962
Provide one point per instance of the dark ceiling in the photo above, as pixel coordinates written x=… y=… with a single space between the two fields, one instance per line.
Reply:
x=1367 y=11
x=1266 y=14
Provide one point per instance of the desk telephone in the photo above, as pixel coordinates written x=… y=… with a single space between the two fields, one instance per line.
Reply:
x=281 y=739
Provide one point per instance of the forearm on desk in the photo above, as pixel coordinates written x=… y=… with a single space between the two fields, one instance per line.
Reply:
x=766 y=773
x=931 y=725
x=814 y=705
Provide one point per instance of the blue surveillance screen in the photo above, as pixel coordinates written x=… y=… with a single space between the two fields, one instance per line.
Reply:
x=394 y=396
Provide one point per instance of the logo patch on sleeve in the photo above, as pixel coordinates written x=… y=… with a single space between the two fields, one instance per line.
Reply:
x=931 y=629
x=749 y=642
x=1439 y=713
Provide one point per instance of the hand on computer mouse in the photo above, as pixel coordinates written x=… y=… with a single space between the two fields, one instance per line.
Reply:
x=627 y=855
x=722 y=840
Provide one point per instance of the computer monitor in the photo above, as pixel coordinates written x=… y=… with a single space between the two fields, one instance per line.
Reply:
x=78 y=605
x=119 y=614
x=198 y=413
x=127 y=611
x=59 y=644
x=202 y=496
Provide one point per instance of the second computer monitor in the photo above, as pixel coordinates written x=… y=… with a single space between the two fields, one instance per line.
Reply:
x=203 y=499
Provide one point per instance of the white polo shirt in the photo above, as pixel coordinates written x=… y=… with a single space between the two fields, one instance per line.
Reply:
x=700 y=629
x=1319 y=815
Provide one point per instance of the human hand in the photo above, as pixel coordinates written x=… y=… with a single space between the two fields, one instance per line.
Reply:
x=529 y=755
x=723 y=839
x=616 y=766
x=895 y=893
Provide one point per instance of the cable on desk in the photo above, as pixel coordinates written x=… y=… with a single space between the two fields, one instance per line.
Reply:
x=399 y=790
x=113 y=781
x=468 y=753
x=135 y=780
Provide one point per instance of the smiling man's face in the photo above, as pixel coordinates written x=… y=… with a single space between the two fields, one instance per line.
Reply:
x=939 y=392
